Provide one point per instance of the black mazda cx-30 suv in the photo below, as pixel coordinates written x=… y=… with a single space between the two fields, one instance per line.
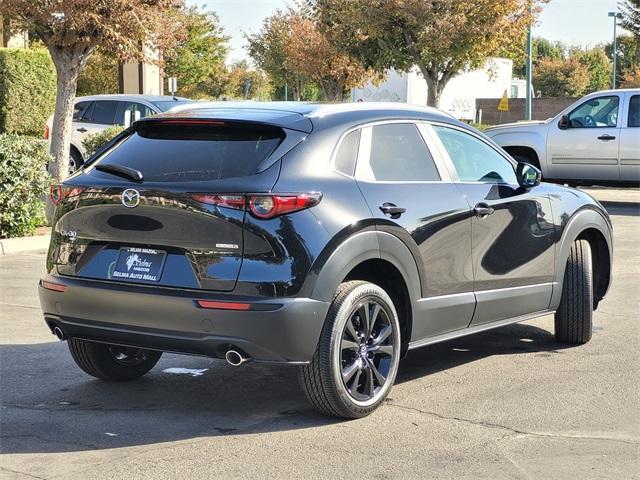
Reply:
x=331 y=237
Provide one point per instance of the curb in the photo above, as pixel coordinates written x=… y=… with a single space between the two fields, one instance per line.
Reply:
x=24 y=244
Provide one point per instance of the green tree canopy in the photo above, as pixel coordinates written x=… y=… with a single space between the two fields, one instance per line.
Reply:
x=198 y=60
x=561 y=78
x=442 y=38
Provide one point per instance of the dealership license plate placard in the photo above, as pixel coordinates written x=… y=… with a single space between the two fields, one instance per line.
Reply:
x=139 y=264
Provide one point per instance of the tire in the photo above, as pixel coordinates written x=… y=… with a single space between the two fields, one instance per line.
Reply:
x=574 y=317
x=112 y=362
x=75 y=161
x=369 y=364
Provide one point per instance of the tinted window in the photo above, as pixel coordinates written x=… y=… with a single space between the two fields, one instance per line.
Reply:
x=474 y=160
x=634 y=111
x=347 y=152
x=79 y=110
x=398 y=154
x=184 y=153
x=132 y=111
x=103 y=111
x=594 y=113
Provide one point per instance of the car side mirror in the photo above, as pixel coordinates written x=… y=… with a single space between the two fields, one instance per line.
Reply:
x=528 y=175
x=563 y=124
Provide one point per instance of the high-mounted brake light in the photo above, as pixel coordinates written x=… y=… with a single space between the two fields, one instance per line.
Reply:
x=57 y=193
x=187 y=121
x=269 y=206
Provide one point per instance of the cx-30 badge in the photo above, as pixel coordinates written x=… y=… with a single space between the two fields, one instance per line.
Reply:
x=130 y=198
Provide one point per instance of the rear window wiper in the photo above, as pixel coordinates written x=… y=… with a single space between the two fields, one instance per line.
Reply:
x=121 y=171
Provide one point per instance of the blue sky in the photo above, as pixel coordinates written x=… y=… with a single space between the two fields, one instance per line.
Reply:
x=577 y=22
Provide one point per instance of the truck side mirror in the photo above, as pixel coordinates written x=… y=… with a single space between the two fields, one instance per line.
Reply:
x=563 y=124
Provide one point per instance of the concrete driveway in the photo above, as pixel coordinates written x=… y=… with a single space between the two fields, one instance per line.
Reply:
x=506 y=404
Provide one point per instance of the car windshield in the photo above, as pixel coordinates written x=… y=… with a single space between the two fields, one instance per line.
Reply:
x=165 y=105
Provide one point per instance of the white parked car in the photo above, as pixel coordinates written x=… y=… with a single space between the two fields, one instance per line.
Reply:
x=95 y=113
x=594 y=140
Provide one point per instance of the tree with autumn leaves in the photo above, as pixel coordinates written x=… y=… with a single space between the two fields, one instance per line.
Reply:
x=442 y=38
x=293 y=50
x=71 y=30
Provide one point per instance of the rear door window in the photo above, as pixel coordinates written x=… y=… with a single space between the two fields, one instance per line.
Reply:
x=79 y=109
x=103 y=112
x=195 y=152
x=398 y=154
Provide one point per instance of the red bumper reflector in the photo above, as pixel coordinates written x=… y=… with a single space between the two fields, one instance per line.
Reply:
x=56 y=287
x=223 y=305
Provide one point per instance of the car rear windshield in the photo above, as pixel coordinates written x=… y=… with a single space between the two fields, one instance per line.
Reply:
x=194 y=152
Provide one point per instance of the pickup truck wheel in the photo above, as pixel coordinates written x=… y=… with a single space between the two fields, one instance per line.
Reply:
x=574 y=317
x=356 y=361
x=112 y=362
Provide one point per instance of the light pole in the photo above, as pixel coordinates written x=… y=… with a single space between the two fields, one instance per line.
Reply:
x=615 y=16
x=527 y=105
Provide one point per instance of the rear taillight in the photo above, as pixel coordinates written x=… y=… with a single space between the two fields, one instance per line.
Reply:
x=46 y=132
x=263 y=206
x=269 y=206
x=229 y=201
x=57 y=193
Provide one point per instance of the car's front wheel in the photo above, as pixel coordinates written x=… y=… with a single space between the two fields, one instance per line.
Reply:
x=112 y=362
x=356 y=361
x=574 y=317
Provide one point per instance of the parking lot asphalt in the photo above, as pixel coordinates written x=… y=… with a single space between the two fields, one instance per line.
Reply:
x=504 y=404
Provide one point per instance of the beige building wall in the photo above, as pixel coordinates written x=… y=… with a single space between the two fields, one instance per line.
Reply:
x=9 y=40
x=142 y=78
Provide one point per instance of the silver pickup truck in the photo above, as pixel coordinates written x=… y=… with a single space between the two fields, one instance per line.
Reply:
x=594 y=140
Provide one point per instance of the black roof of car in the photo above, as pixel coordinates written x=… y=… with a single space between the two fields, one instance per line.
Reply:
x=301 y=116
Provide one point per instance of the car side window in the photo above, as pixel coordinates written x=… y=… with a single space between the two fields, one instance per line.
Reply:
x=473 y=159
x=103 y=112
x=347 y=153
x=597 y=112
x=79 y=109
x=399 y=154
x=634 y=111
x=132 y=111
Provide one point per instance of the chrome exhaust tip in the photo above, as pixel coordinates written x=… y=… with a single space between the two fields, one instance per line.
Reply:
x=57 y=331
x=235 y=358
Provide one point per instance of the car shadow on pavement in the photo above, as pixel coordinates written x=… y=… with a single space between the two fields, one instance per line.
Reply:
x=49 y=405
x=510 y=340
x=629 y=209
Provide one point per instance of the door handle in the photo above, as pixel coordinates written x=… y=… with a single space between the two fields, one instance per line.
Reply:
x=392 y=209
x=81 y=129
x=482 y=210
x=606 y=137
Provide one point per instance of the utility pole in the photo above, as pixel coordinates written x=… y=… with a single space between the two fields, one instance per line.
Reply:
x=527 y=107
x=615 y=16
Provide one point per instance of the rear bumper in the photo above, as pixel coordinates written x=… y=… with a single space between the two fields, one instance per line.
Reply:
x=279 y=330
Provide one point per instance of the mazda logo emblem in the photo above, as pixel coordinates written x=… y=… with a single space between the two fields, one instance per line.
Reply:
x=130 y=198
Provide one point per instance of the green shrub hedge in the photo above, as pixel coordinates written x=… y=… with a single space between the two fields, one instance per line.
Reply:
x=93 y=142
x=23 y=181
x=27 y=90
